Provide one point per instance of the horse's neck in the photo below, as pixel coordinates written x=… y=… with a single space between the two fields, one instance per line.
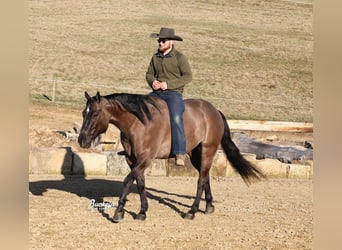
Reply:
x=123 y=120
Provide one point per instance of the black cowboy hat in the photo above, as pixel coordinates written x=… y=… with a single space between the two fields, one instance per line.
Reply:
x=166 y=33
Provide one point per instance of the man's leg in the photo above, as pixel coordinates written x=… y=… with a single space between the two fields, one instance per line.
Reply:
x=176 y=108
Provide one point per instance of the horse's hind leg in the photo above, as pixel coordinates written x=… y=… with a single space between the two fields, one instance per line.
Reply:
x=209 y=209
x=201 y=183
x=202 y=164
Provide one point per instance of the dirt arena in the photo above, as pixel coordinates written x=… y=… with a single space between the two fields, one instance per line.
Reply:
x=273 y=214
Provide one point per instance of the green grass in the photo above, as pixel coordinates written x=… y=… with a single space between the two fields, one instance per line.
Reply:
x=252 y=59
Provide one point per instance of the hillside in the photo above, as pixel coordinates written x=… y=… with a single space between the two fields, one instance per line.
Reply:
x=252 y=59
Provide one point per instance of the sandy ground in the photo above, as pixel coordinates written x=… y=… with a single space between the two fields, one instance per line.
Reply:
x=273 y=214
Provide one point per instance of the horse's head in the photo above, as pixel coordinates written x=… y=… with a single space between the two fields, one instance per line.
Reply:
x=95 y=119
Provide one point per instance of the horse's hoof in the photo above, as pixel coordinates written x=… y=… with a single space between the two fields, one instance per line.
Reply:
x=209 y=209
x=189 y=216
x=118 y=216
x=140 y=217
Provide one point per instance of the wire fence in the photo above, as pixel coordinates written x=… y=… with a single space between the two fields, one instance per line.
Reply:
x=70 y=93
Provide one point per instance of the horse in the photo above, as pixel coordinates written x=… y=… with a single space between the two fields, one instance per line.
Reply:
x=144 y=124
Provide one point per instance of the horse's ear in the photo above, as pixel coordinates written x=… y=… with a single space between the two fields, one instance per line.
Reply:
x=87 y=96
x=98 y=96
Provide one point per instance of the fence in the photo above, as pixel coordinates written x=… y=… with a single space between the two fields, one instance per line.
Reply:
x=71 y=93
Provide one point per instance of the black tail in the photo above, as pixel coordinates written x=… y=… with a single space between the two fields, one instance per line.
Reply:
x=246 y=169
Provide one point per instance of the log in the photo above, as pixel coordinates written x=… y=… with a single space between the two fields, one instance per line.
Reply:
x=262 y=150
x=270 y=126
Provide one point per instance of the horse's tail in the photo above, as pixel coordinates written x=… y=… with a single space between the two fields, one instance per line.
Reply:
x=247 y=170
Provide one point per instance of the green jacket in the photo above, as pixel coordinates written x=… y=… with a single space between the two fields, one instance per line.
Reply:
x=172 y=68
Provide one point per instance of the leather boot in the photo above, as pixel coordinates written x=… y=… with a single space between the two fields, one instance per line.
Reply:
x=180 y=160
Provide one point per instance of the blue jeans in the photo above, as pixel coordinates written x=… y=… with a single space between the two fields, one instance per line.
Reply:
x=176 y=107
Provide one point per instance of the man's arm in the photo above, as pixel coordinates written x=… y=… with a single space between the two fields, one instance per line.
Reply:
x=150 y=74
x=186 y=74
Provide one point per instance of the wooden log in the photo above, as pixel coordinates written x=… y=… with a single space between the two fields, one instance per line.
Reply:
x=262 y=150
x=270 y=126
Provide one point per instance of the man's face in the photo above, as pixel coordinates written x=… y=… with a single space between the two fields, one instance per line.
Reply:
x=164 y=44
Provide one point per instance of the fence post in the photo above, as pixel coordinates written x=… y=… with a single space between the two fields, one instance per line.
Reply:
x=53 y=89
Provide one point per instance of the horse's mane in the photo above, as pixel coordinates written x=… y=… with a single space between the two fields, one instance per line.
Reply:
x=135 y=104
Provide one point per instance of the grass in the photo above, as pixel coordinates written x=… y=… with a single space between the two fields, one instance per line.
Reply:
x=252 y=59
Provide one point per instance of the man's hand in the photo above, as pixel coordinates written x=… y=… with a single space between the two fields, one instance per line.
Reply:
x=156 y=85
x=159 y=85
x=163 y=85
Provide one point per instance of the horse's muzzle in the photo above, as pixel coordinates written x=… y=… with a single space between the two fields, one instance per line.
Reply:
x=84 y=141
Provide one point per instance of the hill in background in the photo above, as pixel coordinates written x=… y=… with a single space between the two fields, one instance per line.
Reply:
x=252 y=59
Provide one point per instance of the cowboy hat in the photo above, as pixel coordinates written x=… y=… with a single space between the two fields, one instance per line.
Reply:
x=166 y=33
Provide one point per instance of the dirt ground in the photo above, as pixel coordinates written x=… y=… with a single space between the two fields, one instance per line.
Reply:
x=272 y=214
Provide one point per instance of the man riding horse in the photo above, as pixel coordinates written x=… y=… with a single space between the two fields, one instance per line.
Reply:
x=167 y=74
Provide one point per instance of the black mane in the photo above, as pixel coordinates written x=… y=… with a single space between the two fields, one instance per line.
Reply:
x=135 y=104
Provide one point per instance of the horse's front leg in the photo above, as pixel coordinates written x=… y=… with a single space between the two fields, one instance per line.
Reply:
x=119 y=212
x=137 y=173
x=143 y=198
x=143 y=162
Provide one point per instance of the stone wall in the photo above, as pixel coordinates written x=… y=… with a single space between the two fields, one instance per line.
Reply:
x=66 y=161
